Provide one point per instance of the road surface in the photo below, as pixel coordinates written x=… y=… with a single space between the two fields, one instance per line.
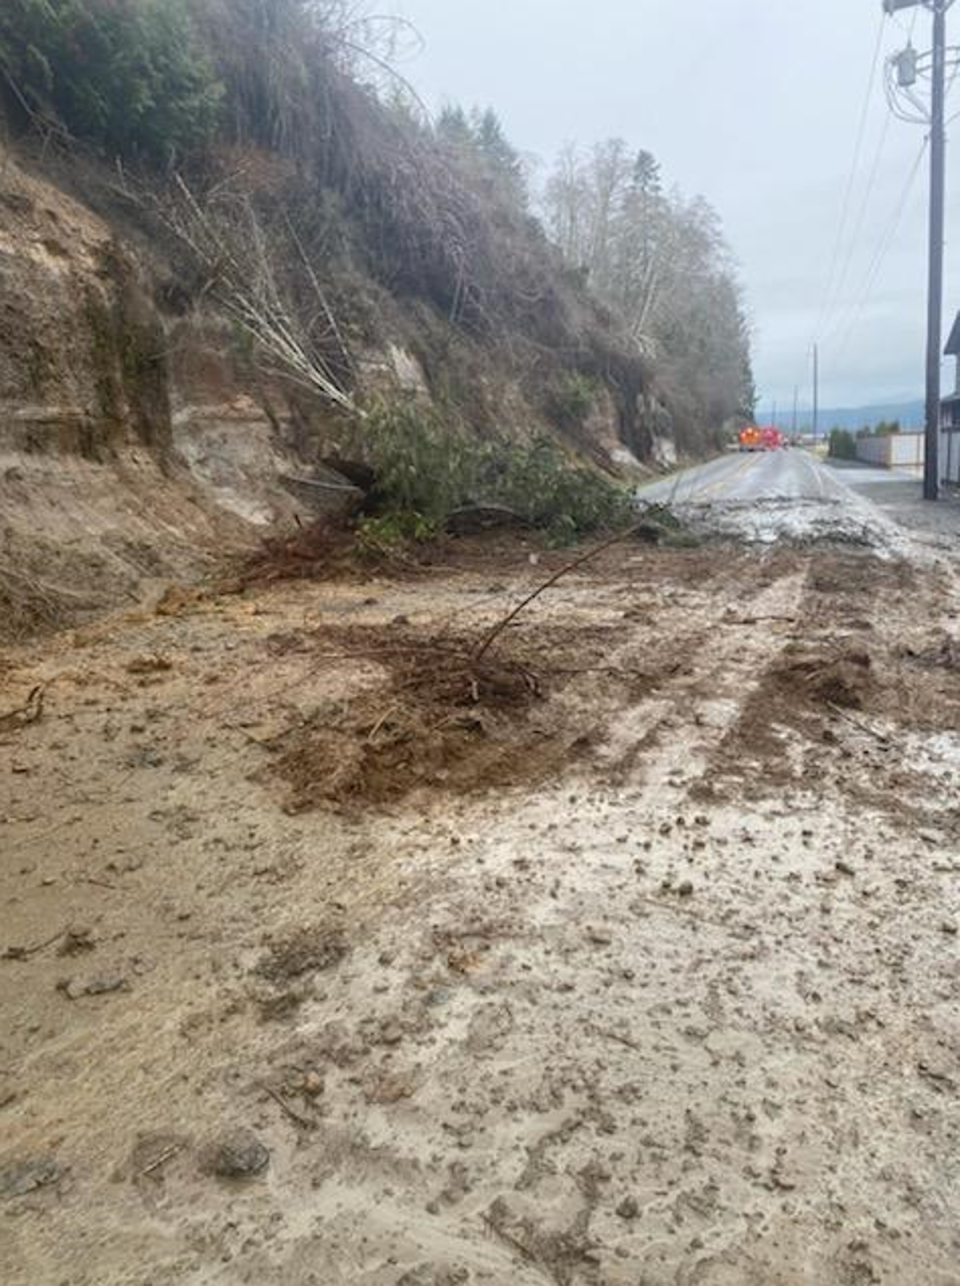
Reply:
x=769 y=496
x=751 y=476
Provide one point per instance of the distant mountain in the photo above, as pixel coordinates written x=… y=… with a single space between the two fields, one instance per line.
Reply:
x=910 y=415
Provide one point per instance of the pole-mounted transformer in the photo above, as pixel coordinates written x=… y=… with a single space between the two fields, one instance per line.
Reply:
x=907 y=68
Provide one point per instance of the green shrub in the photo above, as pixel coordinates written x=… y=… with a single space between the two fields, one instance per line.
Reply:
x=423 y=465
x=843 y=444
x=427 y=467
x=390 y=532
x=126 y=75
x=563 y=498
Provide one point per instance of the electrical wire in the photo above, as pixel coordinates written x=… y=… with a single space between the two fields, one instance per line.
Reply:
x=863 y=211
x=829 y=294
x=883 y=249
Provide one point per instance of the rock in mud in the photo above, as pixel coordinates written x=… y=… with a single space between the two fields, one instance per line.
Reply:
x=235 y=1153
x=78 y=939
x=28 y=1175
x=629 y=1208
x=599 y=937
x=389 y=1088
x=105 y=985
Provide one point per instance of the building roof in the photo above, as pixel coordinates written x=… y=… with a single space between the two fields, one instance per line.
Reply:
x=953 y=343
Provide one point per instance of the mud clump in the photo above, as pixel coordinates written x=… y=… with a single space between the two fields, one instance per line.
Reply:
x=311 y=950
x=845 y=680
x=236 y=1154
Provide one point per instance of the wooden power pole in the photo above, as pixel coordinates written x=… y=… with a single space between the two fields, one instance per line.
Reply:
x=938 y=158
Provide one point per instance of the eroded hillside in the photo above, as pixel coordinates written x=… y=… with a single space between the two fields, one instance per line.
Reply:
x=202 y=301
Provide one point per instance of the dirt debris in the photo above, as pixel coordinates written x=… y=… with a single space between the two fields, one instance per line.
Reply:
x=439 y=717
x=638 y=1015
x=308 y=950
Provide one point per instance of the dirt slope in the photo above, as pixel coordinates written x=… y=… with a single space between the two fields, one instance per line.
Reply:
x=680 y=1010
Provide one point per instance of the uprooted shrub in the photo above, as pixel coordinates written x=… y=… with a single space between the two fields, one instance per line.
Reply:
x=427 y=467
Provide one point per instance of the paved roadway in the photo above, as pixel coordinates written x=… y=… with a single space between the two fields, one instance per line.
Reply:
x=753 y=476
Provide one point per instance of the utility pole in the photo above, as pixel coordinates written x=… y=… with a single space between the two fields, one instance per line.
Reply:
x=816 y=393
x=906 y=70
x=796 y=407
x=938 y=156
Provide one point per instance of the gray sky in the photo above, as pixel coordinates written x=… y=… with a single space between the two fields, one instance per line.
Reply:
x=755 y=104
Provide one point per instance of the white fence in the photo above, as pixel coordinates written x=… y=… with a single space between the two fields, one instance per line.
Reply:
x=907 y=451
x=893 y=451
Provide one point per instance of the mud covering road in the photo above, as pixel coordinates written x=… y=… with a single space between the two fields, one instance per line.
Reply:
x=633 y=959
x=785 y=495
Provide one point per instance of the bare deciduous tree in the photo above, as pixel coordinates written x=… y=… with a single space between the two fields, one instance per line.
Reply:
x=662 y=263
x=227 y=239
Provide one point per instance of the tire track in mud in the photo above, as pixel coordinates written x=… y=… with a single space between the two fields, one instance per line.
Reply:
x=675 y=734
x=636 y=1072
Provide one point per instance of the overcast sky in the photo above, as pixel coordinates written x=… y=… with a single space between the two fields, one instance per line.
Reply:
x=756 y=105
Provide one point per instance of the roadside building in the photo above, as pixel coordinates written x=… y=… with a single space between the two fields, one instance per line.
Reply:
x=906 y=450
x=950 y=414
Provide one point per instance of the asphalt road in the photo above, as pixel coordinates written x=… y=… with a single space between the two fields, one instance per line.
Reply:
x=751 y=476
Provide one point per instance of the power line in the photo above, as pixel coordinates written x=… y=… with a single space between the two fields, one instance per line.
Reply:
x=828 y=298
x=883 y=249
x=861 y=214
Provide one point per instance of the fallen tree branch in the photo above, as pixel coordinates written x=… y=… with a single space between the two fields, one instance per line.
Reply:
x=304 y=1122
x=25 y=953
x=859 y=723
x=488 y=641
x=30 y=712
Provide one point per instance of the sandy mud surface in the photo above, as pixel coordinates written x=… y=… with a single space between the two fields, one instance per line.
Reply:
x=626 y=952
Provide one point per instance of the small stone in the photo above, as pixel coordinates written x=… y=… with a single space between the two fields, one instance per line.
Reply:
x=105 y=985
x=686 y=890
x=392 y=1088
x=235 y=1153
x=950 y=928
x=313 y=1084
x=844 y=868
x=20 y=1177
x=600 y=937
x=629 y=1208
x=77 y=940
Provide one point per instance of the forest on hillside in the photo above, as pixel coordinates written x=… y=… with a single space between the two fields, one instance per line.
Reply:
x=291 y=166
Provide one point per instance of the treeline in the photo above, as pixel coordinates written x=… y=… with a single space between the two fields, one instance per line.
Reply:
x=658 y=260
x=603 y=266
x=661 y=262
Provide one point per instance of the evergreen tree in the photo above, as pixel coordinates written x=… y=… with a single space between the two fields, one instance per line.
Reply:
x=126 y=75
